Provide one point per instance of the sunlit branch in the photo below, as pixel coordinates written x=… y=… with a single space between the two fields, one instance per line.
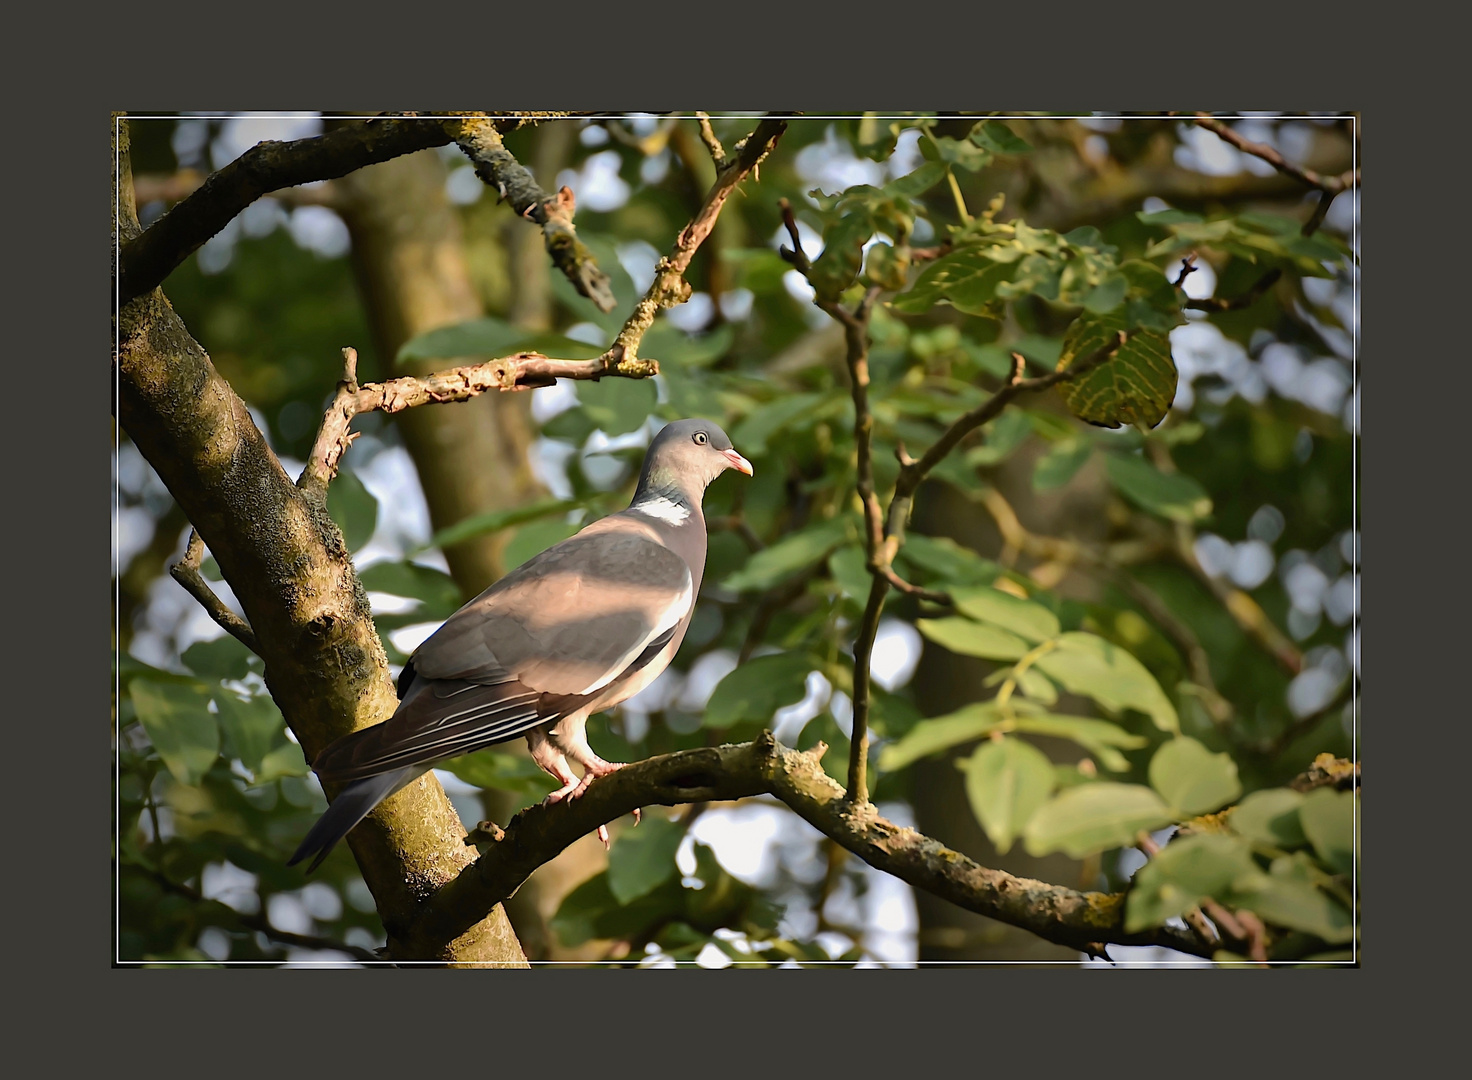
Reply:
x=520 y=371
x=1079 y=920
x=669 y=287
x=480 y=139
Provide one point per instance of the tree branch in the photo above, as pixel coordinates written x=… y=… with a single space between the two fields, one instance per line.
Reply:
x=669 y=286
x=266 y=167
x=713 y=144
x=1333 y=185
x=480 y=139
x=764 y=767
x=259 y=923
x=520 y=371
x=186 y=573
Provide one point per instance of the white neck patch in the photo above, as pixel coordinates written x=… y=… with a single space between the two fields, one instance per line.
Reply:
x=664 y=509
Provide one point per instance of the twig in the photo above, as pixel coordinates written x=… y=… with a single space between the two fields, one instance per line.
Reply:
x=520 y=371
x=1218 y=303
x=1188 y=267
x=669 y=286
x=480 y=140
x=1193 y=917
x=709 y=774
x=1330 y=184
x=1328 y=771
x=186 y=573
x=713 y=144
x=258 y=923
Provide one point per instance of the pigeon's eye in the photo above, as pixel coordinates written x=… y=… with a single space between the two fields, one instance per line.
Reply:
x=700 y=438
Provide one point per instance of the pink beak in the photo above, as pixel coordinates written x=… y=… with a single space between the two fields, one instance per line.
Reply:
x=739 y=463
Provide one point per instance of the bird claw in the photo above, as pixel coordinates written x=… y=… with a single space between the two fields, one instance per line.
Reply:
x=603 y=836
x=636 y=815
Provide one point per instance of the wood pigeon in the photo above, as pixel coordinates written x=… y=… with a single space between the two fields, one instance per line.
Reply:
x=579 y=628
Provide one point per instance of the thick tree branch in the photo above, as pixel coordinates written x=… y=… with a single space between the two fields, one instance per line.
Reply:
x=264 y=168
x=186 y=573
x=1070 y=918
x=480 y=139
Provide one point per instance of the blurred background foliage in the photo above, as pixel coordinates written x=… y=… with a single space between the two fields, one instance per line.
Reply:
x=1152 y=623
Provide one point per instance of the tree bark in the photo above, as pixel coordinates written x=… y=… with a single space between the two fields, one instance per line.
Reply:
x=285 y=559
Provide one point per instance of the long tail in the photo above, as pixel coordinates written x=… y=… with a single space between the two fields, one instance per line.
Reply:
x=350 y=807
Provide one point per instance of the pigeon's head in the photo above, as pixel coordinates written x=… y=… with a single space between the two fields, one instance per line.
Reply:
x=688 y=454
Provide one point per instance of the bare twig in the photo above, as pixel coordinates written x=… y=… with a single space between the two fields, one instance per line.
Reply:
x=713 y=144
x=480 y=139
x=1188 y=267
x=1328 y=771
x=520 y=371
x=669 y=286
x=258 y=923
x=1235 y=303
x=708 y=774
x=186 y=573
x=1330 y=184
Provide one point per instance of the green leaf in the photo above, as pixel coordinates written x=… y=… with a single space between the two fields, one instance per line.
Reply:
x=1006 y=782
x=967 y=638
x=770 y=417
x=792 y=553
x=643 y=858
x=1168 y=217
x=501 y=771
x=1059 y=465
x=947 y=560
x=843 y=241
x=1025 y=618
x=1107 y=295
x=1184 y=873
x=1328 y=822
x=286 y=760
x=998 y=137
x=535 y=538
x=436 y=590
x=1134 y=386
x=618 y=406
x=1089 y=665
x=223 y=657
x=353 y=508
x=1101 y=738
x=497 y=520
x=177 y=720
x=1171 y=495
x=1005 y=434
x=962 y=153
x=758 y=688
x=849 y=567
x=918 y=182
x=489 y=337
x=251 y=727
x=968 y=278
x=1095 y=817
x=1270 y=817
x=940 y=733
x=1191 y=778
x=1288 y=895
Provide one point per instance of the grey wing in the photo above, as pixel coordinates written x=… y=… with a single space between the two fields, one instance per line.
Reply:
x=568 y=621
